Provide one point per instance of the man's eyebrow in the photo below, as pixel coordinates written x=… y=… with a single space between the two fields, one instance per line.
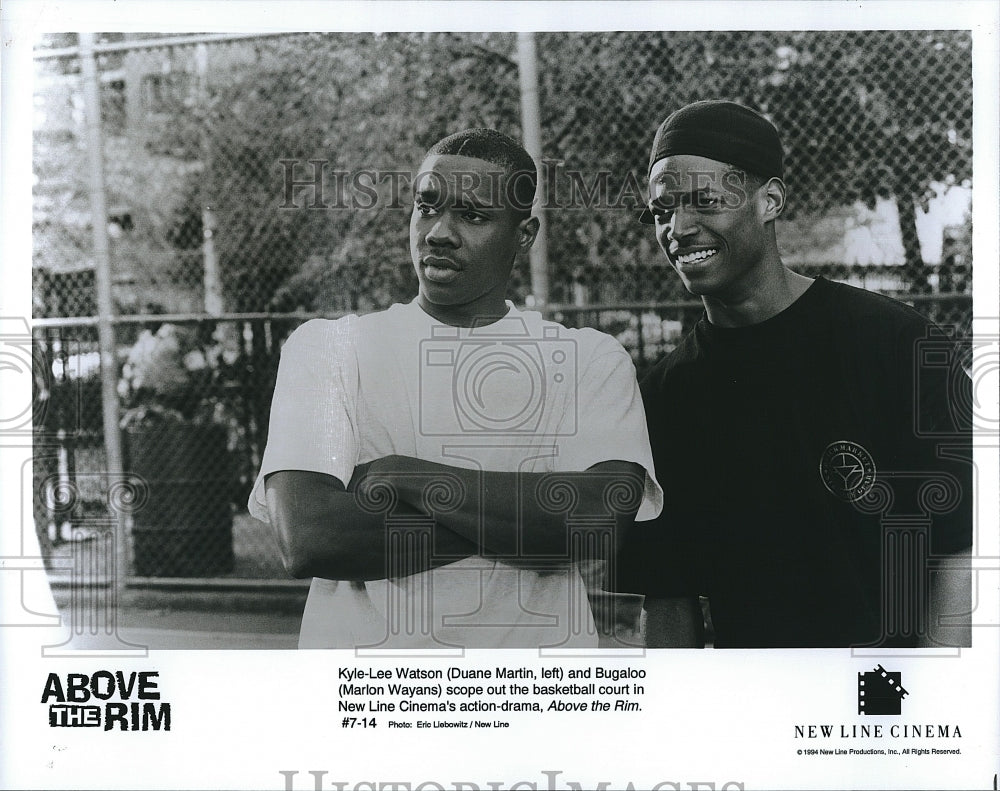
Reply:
x=472 y=202
x=468 y=201
x=691 y=182
x=428 y=194
x=680 y=194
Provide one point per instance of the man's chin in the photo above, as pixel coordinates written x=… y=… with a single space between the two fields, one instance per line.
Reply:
x=696 y=287
x=436 y=296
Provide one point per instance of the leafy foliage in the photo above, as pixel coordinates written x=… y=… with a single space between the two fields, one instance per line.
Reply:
x=863 y=114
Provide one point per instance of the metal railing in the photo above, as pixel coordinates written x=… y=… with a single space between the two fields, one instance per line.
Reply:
x=195 y=523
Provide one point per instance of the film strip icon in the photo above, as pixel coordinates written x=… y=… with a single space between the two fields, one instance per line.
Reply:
x=880 y=692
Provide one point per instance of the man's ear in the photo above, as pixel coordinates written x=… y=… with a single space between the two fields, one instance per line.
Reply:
x=527 y=230
x=773 y=195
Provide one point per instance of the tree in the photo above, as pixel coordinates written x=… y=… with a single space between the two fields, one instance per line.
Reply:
x=861 y=114
x=888 y=112
x=337 y=103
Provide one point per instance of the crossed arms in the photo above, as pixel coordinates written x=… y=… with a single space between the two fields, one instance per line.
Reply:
x=440 y=514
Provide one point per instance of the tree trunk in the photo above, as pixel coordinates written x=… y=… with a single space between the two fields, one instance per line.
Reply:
x=914 y=269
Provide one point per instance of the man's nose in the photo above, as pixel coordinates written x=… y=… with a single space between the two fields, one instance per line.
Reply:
x=441 y=232
x=682 y=223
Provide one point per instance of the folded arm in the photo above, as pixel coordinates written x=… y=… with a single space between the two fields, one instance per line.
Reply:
x=674 y=623
x=324 y=530
x=949 y=614
x=524 y=516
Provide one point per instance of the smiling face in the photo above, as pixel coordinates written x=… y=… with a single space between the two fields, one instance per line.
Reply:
x=714 y=224
x=464 y=236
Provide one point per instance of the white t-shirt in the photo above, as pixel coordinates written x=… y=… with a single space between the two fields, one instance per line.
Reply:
x=520 y=394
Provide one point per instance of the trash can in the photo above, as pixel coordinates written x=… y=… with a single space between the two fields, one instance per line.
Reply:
x=185 y=528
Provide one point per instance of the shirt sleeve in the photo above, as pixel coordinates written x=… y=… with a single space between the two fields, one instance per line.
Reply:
x=313 y=423
x=610 y=423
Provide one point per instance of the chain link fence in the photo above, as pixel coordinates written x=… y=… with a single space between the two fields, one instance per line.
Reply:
x=254 y=182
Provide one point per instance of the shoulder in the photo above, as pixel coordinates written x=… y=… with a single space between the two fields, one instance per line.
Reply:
x=320 y=335
x=317 y=329
x=588 y=343
x=349 y=327
x=855 y=306
x=873 y=327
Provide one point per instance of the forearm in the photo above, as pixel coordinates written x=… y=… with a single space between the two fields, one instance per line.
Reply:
x=524 y=516
x=949 y=613
x=674 y=623
x=325 y=531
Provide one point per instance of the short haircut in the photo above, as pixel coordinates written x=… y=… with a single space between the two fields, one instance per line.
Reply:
x=753 y=181
x=498 y=149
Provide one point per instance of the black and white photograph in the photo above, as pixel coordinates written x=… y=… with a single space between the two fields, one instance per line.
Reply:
x=638 y=343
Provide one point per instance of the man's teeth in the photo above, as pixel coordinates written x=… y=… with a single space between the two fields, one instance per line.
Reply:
x=691 y=258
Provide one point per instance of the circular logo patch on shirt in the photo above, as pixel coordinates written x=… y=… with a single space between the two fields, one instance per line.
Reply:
x=847 y=470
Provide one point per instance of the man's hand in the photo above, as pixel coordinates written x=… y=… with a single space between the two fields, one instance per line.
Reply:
x=360 y=473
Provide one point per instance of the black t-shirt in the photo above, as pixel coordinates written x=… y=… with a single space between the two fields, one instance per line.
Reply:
x=801 y=462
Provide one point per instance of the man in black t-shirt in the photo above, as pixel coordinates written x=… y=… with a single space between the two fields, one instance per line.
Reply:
x=808 y=435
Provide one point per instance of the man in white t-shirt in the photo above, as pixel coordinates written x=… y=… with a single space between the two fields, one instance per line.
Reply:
x=453 y=472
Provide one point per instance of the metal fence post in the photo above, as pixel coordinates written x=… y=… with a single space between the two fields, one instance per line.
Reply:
x=102 y=281
x=212 y=280
x=531 y=129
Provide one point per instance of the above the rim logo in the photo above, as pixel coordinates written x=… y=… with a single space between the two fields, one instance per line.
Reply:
x=847 y=470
